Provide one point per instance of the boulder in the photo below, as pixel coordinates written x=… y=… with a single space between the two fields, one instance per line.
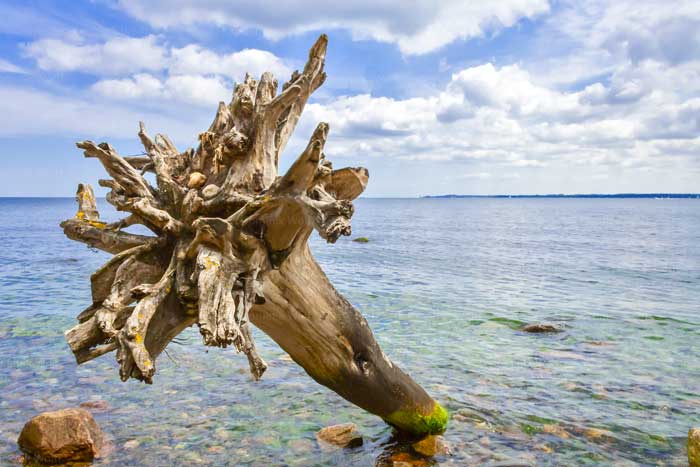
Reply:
x=694 y=447
x=344 y=435
x=68 y=435
x=540 y=327
x=432 y=446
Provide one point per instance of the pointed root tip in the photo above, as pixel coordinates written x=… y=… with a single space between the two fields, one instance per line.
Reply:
x=319 y=47
x=321 y=131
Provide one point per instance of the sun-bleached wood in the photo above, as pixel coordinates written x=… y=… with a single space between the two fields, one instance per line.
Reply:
x=229 y=250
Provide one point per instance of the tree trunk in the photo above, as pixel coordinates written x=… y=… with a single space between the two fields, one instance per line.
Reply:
x=230 y=248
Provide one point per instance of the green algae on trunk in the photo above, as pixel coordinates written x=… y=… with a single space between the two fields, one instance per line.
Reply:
x=412 y=421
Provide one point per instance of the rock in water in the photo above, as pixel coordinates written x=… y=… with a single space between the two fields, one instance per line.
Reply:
x=694 y=447
x=68 y=435
x=432 y=446
x=344 y=435
x=96 y=405
x=361 y=240
x=540 y=327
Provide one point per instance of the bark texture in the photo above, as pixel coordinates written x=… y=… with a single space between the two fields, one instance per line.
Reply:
x=229 y=249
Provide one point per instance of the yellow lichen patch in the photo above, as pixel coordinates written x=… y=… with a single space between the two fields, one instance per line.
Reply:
x=97 y=224
x=138 y=338
x=80 y=215
x=596 y=433
x=210 y=263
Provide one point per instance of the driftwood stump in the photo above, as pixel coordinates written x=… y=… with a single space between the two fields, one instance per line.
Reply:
x=230 y=249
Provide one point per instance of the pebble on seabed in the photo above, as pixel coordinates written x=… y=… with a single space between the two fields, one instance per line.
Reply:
x=344 y=435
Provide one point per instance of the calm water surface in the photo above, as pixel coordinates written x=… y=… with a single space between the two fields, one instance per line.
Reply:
x=445 y=284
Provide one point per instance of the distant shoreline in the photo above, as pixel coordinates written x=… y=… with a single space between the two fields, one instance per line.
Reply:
x=592 y=195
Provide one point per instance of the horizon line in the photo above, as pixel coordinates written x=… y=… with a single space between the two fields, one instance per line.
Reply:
x=454 y=195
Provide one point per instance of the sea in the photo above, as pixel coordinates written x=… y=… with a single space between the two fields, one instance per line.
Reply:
x=446 y=285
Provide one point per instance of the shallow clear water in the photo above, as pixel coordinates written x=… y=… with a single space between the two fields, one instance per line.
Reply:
x=445 y=284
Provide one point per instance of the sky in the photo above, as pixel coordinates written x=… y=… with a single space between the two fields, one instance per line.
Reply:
x=466 y=97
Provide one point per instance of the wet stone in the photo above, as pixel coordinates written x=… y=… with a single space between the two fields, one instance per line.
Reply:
x=344 y=435
x=432 y=446
x=597 y=434
x=68 y=435
x=405 y=459
x=556 y=430
x=95 y=406
x=540 y=328
x=131 y=444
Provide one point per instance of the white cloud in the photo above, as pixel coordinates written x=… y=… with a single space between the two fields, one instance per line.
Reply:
x=419 y=27
x=125 y=55
x=194 y=59
x=8 y=67
x=491 y=115
x=198 y=89
x=139 y=86
x=155 y=71
x=193 y=89
x=115 y=56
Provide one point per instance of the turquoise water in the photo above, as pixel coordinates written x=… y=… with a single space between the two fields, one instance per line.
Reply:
x=444 y=284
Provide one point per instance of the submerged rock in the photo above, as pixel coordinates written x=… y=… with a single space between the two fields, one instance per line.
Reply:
x=132 y=444
x=432 y=446
x=541 y=328
x=344 y=435
x=361 y=240
x=694 y=447
x=68 y=435
x=556 y=430
x=95 y=405
x=405 y=459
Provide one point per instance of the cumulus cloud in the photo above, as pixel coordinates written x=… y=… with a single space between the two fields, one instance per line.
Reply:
x=155 y=71
x=193 y=89
x=500 y=115
x=122 y=55
x=114 y=56
x=421 y=27
x=195 y=59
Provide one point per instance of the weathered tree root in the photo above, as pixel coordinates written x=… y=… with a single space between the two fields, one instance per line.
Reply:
x=230 y=248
